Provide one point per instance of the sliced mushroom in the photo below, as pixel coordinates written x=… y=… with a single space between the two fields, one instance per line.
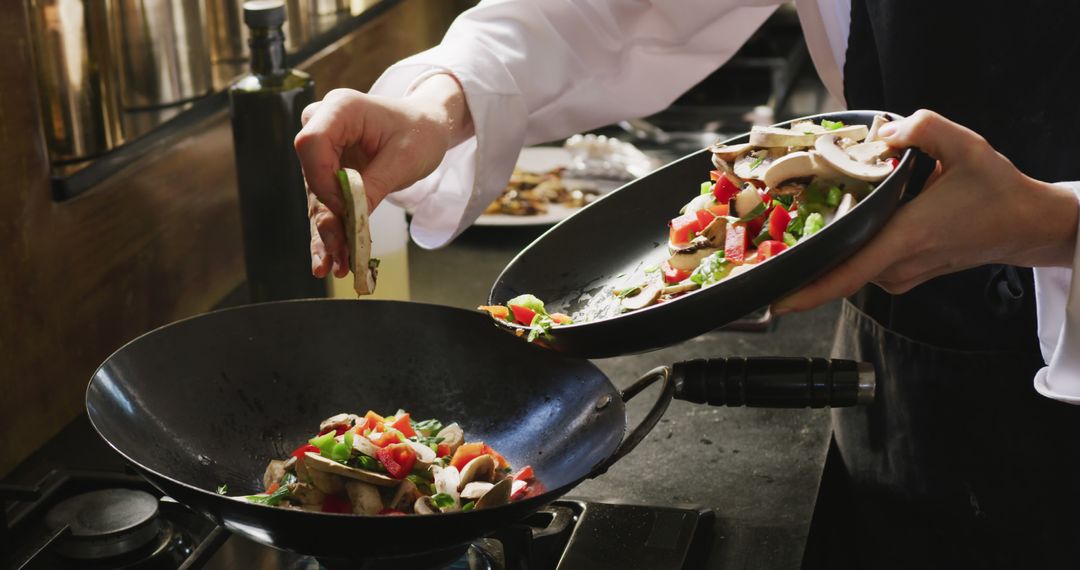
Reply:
x=689 y=258
x=319 y=464
x=853 y=132
x=752 y=165
x=447 y=480
x=275 y=471
x=808 y=127
x=715 y=232
x=846 y=203
x=452 y=435
x=680 y=288
x=869 y=152
x=497 y=495
x=730 y=152
x=645 y=296
x=801 y=164
x=425 y=506
x=874 y=126
x=339 y=420
x=306 y=494
x=481 y=468
x=774 y=137
x=424 y=454
x=364 y=497
x=405 y=496
x=839 y=159
x=746 y=200
x=475 y=490
x=364 y=445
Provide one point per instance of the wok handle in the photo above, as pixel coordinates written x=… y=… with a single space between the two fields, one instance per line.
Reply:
x=667 y=391
x=774 y=382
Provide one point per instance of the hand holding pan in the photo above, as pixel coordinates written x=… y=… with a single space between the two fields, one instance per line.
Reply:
x=584 y=258
x=210 y=400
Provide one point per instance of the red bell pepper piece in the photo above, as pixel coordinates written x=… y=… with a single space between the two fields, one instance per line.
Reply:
x=443 y=450
x=769 y=248
x=735 y=242
x=466 y=453
x=500 y=461
x=388 y=437
x=718 y=210
x=372 y=421
x=523 y=315
x=336 y=504
x=894 y=162
x=398 y=459
x=682 y=227
x=778 y=223
x=526 y=474
x=300 y=451
x=402 y=424
x=724 y=190
x=391 y=512
x=704 y=218
x=673 y=275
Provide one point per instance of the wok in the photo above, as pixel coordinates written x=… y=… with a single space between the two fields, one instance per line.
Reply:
x=210 y=400
x=576 y=265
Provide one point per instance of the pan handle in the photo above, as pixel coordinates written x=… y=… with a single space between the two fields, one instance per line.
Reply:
x=774 y=382
x=667 y=391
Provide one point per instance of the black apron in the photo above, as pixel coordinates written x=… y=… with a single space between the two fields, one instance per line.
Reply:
x=960 y=463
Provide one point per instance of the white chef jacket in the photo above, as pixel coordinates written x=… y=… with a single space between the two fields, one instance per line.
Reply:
x=540 y=70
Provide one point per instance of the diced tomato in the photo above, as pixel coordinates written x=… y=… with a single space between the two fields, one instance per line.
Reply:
x=724 y=190
x=735 y=242
x=704 y=218
x=561 y=319
x=372 y=421
x=500 y=461
x=894 y=162
x=523 y=315
x=682 y=227
x=402 y=424
x=673 y=274
x=769 y=248
x=466 y=453
x=391 y=512
x=300 y=451
x=273 y=487
x=398 y=460
x=443 y=450
x=526 y=474
x=778 y=223
x=496 y=311
x=719 y=209
x=336 y=504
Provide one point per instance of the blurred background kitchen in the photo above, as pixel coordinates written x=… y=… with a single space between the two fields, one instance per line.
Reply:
x=120 y=210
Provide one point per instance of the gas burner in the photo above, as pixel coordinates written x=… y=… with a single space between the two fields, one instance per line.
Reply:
x=104 y=524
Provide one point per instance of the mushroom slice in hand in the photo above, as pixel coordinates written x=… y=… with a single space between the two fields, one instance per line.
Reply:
x=839 y=159
x=874 y=126
x=405 y=496
x=475 y=490
x=869 y=152
x=729 y=153
x=317 y=463
x=774 y=137
x=499 y=494
x=853 y=132
x=644 y=297
x=481 y=468
x=453 y=436
x=364 y=497
x=801 y=164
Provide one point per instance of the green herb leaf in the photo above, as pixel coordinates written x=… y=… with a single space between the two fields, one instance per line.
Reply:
x=369 y=463
x=272 y=499
x=468 y=506
x=222 y=489
x=422 y=484
x=442 y=500
x=757 y=162
x=785 y=199
x=428 y=427
x=831 y=125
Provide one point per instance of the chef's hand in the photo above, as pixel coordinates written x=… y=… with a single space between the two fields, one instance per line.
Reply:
x=391 y=142
x=976 y=208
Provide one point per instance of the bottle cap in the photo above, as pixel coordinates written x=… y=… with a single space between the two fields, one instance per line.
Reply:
x=264 y=13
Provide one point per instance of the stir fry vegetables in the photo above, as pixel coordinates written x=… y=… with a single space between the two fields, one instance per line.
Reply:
x=392 y=465
x=763 y=197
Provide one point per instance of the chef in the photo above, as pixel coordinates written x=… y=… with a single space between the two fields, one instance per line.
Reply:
x=969 y=457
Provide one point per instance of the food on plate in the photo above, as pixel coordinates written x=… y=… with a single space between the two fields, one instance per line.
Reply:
x=392 y=465
x=365 y=269
x=529 y=194
x=763 y=197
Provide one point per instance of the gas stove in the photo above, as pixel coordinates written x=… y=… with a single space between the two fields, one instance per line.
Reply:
x=116 y=520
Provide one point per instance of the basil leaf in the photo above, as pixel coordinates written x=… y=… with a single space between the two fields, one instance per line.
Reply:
x=468 y=506
x=272 y=499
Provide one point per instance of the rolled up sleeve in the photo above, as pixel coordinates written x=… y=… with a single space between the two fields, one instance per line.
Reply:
x=1058 y=305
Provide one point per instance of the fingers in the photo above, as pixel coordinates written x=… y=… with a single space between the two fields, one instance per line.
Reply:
x=329 y=250
x=935 y=135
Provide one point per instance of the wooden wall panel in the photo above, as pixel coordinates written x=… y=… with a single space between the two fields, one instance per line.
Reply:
x=156 y=242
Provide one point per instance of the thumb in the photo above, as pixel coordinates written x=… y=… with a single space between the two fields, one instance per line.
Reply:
x=929 y=131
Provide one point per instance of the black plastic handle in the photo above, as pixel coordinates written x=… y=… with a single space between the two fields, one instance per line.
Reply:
x=774 y=382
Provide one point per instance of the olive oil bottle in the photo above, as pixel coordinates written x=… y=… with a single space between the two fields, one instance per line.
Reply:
x=265 y=108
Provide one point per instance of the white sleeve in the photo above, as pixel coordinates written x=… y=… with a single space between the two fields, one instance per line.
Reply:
x=1057 y=297
x=539 y=70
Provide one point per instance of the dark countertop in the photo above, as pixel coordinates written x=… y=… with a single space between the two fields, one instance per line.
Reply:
x=759 y=469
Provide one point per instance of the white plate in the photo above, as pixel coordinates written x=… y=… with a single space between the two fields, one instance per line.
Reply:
x=543 y=159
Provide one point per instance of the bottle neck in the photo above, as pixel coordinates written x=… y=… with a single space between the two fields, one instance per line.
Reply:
x=267 y=51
